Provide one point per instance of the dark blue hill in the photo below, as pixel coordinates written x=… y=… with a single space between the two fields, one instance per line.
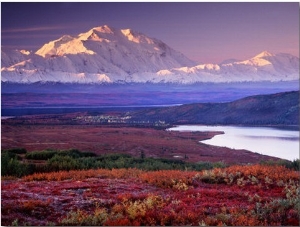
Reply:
x=275 y=109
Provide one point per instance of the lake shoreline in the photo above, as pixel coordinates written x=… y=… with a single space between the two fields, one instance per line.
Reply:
x=296 y=127
x=273 y=141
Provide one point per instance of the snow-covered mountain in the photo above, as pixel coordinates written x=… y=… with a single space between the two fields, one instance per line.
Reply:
x=263 y=67
x=108 y=55
x=12 y=57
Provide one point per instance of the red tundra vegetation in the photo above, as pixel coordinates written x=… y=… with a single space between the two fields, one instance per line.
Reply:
x=237 y=195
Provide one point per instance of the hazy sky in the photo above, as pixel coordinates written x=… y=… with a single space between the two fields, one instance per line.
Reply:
x=204 y=32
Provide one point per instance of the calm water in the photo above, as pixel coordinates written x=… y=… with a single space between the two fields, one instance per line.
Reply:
x=282 y=143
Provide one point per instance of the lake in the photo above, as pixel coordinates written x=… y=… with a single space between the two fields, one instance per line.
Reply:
x=276 y=142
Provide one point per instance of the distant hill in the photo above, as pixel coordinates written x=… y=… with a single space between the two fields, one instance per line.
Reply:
x=274 y=109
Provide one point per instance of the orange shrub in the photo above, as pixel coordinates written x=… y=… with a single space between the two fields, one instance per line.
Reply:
x=169 y=178
x=252 y=174
x=32 y=204
x=261 y=172
x=83 y=174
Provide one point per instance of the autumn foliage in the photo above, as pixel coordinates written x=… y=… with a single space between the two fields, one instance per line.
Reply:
x=237 y=195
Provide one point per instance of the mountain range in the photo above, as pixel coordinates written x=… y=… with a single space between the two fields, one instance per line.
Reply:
x=108 y=55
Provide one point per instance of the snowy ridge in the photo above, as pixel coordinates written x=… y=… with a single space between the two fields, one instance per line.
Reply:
x=11 y=57
x=263 y=67
x=108 y=55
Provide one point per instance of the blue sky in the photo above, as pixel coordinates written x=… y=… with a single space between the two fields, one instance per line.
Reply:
x=204 y=32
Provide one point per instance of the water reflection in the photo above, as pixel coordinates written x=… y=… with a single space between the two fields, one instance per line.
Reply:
x=282 y=143
x=274 y=137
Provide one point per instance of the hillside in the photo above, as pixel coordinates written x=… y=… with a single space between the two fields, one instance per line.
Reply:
x=276 y=109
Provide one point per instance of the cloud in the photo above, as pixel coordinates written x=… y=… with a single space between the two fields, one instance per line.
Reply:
x=30 y=36
x=33 y=29
x=18 y=47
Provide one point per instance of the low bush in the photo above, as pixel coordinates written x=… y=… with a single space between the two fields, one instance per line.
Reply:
x=11 y=166
x=16 y=150
x=74 y=153
x=48 y=154
x=74 y=159
x=58 y=162
x=41 y=155
x=293 y=165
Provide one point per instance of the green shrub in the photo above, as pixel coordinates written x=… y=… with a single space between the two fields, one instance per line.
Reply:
x=294 y=165
x=88 y=163
x=7 y=154
x=41 y=155
x=16 y=150
x=202 y=166
x=219 y=164
x=11 y=166
x=74 y=153
x=74 y=159
x=48 y=154
x=58 y=162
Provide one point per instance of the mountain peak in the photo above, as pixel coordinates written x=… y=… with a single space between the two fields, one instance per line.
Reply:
x=264 y=54
x=25 y=52
x=126 y=32
x=136 y=37
x=104 y=29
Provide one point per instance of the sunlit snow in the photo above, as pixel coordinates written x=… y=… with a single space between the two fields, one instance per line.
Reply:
x=105 y=54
